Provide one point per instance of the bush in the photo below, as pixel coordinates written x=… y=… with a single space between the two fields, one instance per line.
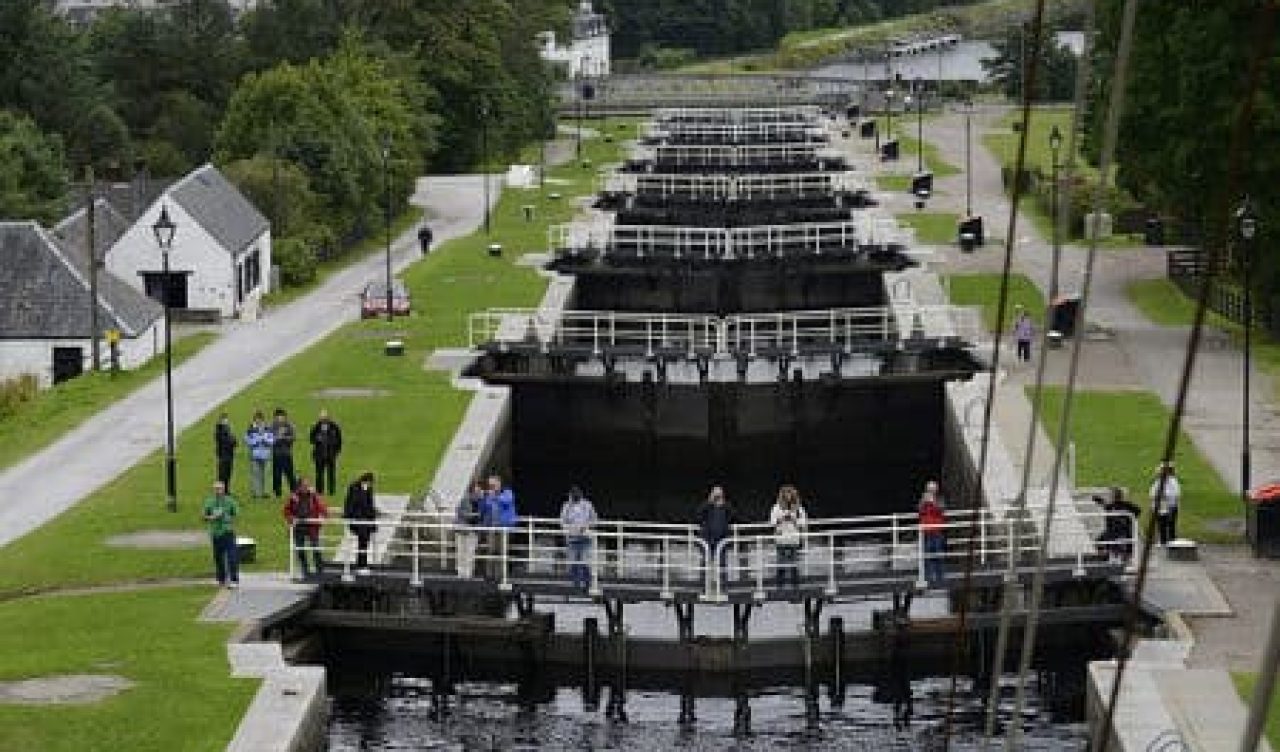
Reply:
x=297 y=261
x=322 y=241
x=16 y=392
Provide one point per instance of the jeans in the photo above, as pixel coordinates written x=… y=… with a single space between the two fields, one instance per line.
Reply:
x=226 y=558
x=281 y=469
x=326 y=470
x=579 y=568
x=935 y=545
x=362 y=533
x=1167 y=525
x=788 y=569
x=224 y=471
x=1024 y=350
x=306 y=540
x=258 y=478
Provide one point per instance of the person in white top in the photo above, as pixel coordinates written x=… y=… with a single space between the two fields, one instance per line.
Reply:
x=1164 y=502
x=789 y=521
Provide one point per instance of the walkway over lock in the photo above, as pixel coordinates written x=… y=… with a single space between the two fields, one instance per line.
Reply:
x=802 y=157
x=847 y=557
x=839 y=331
x=799 y=114
x=863 y=235
x=692 y=133
x=641 y=92
x=782 y=186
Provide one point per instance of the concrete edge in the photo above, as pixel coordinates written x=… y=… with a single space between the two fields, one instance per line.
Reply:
x=288 y=714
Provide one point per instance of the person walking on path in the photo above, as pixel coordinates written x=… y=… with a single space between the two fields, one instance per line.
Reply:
x=577 y=515
x=1024 y=330
x=258 y=438
x=283 y=436
x=932 y=521
x=1166 y=492
x=326 y=445
x=715 y=520
x=304 y=512
x=789 y=521
x=361 y=512
x=219 y=513
x=224 y=447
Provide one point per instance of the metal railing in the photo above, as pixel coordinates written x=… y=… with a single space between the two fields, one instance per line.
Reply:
x=826 y=330
x=721 y=243
x=690 y=132
x=740 y=115
x=746 y=187
x=736 y=155
x=666 y=560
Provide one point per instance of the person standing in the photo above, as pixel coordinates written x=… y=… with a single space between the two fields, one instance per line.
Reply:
x=283 y=436
x=224 y=448
x=715 y=520
x=259 y=439
x=469 y=515
x=789 y=522
x=326 y=445
x=577 y=515
x=1164 y=502
x=304 y=512
x=361 y=512
x=1118 y=525
x=219 y=513
x=500 y=512
x=932 y=522
x=1024 y=330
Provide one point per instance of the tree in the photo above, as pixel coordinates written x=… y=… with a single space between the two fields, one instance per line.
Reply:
x=279 y=188
x=1055 y=67
x=32 y=171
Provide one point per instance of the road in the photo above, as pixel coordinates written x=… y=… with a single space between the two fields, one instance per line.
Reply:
x=104 y=446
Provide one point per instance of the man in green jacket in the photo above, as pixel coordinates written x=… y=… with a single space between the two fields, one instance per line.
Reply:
x=220 y=514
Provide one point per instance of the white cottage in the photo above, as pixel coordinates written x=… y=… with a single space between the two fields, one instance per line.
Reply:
x=588 y=52
x=221 y=257
x=45 y=319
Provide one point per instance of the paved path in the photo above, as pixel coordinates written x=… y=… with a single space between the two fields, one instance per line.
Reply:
x=104 y=446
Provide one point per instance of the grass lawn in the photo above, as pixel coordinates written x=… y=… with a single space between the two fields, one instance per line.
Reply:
x=1119 y=437
x=183 y=699
x=54 y=411
x=984 y=290
x=932 y=228
x=893 y=183
x=399 y=436
x=1244 y=684
x=1003 y=143
x=904 y=129
x=410 y=217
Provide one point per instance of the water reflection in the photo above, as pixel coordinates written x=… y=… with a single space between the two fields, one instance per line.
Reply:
x=411 y=713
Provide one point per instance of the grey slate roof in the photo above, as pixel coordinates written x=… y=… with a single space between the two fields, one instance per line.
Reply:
x=43 y=291
x=220 y=208
x=72 y=233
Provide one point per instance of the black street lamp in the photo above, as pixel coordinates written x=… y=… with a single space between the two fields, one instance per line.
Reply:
x=968 y=157
x=919 y=124
x=1055 y=144
x=484 y=160
x=1247 y=226
x=386 y=215
x=164 y=230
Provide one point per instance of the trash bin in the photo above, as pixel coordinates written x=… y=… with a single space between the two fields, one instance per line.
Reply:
x=922 y=184
x=1262 y=521
x=867 y=129
x=970 y=230
x=1065 y=314
x=889 y=150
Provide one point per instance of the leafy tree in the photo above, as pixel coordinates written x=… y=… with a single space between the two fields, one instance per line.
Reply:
x=1055 y=66
x=32 y=171
x=279 y=188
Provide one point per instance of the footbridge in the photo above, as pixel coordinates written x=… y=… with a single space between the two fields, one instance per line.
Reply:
x=638 y=93
x=839 y=558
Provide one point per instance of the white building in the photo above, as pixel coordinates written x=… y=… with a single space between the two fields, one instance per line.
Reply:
x=221 y=257
x=587 y=53
x=45 y=319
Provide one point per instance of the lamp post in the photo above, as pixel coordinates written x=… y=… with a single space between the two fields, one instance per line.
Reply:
x=1055 y=144
x=484 y=160
x=968 y=157
x=919 y=124
x=386 y=215
x=164 y=230
x=1247 y=226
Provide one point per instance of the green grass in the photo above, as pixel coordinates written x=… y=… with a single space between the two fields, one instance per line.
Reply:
x=57 y=410
x=183 y=698
x=904 y=128
x=1244 y=685
x=984 y=290
x=893 y=183
x=1119 y=437
x=932 y=228
x=399 y=436
x=1163 y=303
x=410 y=217
x=1003 y=143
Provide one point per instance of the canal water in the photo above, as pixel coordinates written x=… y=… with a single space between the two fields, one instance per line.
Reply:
x=403 y=714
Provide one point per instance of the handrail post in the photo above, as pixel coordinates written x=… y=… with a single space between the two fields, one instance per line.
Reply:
x=982 y=536
x=666 y=568
x=415 y=577
x=832 y=587
x=1011 y=572
x=595 y=563
x=505 y=560
x=529 y=552
x=346 y=565
x=447 y=533
x=921 y=581
x=759 y=594
x=620 y=545
x=293 y=550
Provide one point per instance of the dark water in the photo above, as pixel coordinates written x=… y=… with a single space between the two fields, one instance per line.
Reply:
x=492 y=716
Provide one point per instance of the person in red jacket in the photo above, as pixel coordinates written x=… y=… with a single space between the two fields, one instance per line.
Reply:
x=303 y=512
x=932 y=526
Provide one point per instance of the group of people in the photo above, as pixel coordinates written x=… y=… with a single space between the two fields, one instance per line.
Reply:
x=273 y=443
x=304 y=508
x=489 y=505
